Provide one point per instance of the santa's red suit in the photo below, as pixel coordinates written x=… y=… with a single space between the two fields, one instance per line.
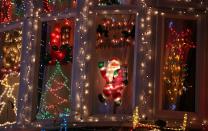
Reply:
x=115 y=76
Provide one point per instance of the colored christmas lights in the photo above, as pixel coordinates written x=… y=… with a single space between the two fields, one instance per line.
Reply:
x=8 y=92
x=46 y=6
x=156 y=12
x=175 y=68
x=19 y=7
x=115 y=33
x=65 y=119
x=11 y=10
x=116 y=79
x=8 y=97
x=11 y=46
x=60 y=48
x=137 y=124
x=5 y=11
x=11 y=51
x=52 y=5
x=52 y=109
x=135 y=117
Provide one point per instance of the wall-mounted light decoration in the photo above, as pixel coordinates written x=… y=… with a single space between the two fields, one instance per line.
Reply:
x=9 y=80
x=60 y=48
x=115 y=75
x=52 y=102
x=114 y=34
x=49 y=6
x=11 y=9
x=175 y=67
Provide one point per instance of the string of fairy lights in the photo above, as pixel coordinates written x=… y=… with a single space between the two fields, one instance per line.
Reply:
x=83 y=84
x=11 y=9
x=11 y=46
x=137 y=123
x=175 y=68
x=49 y=110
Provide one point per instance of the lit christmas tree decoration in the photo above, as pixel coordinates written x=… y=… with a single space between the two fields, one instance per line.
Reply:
x=52 y=103
x=175 y=68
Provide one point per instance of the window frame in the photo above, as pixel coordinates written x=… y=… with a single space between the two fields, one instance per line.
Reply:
x=9 y=27
x=194 y=117
x=113 y=118
x=37 y=63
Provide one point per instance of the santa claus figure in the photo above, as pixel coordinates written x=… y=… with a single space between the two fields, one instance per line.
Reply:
x=115 y=76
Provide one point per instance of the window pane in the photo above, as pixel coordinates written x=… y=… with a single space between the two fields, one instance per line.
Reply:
x=55 y=68
x=10 y=46
x=179 y=65
x=10 y=10
x=114 y=2
x=55 y=6
x=114 y=64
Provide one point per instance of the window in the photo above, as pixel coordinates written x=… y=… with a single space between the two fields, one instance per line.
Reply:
x=11 y=10
x=177 y=69
x=114 y=2
x=54 y=6
x=55 y=68
x=183 y=3
x=179 y=66
x=11 y=43
x=113 y=60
